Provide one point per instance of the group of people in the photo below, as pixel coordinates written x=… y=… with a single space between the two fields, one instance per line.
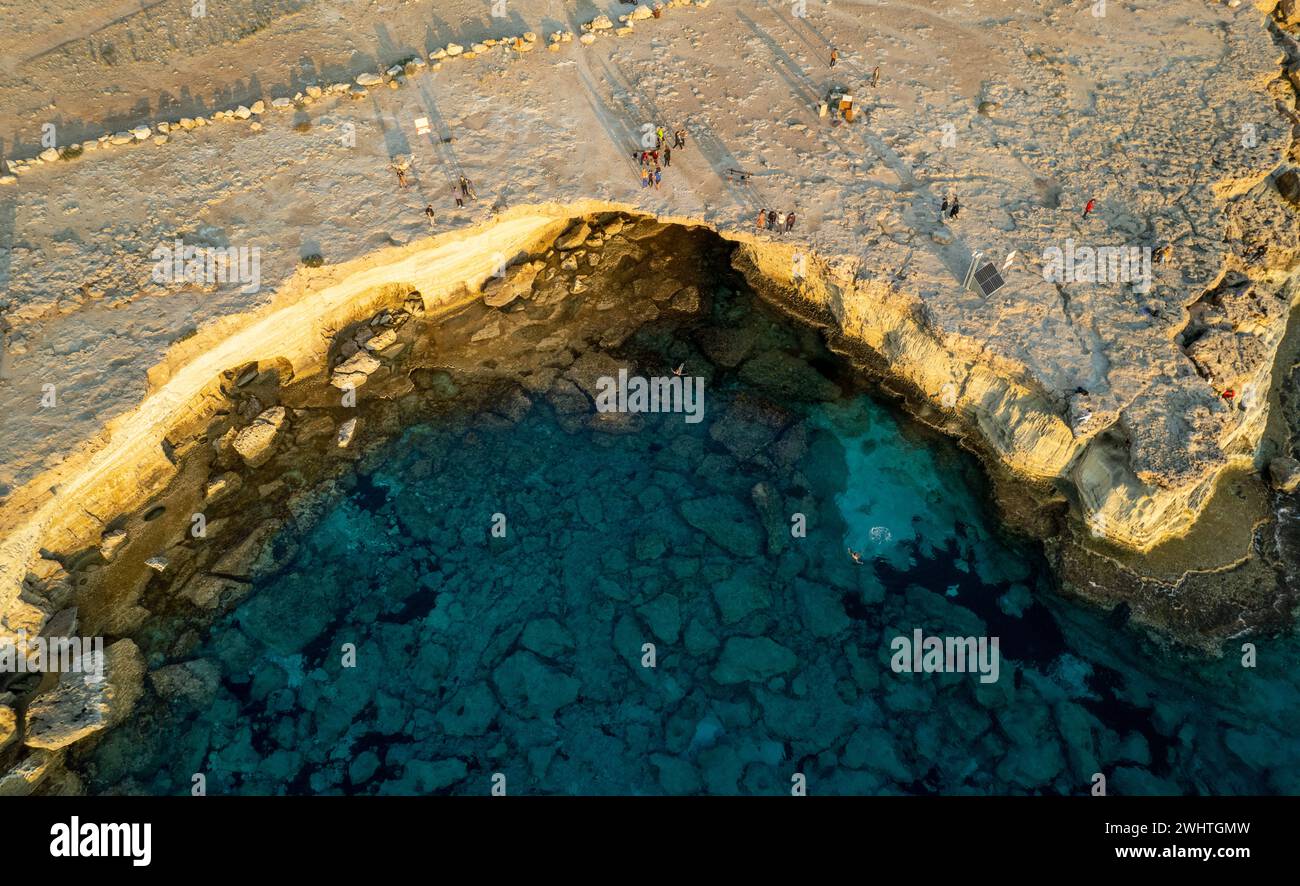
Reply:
x=768 y=218
x=462 y=190
x=651 y=171
x=949 y=208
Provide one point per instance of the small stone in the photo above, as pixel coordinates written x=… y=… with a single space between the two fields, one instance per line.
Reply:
x=454 y=49
x=243 y=112
x=157 y=564
x=347 y=431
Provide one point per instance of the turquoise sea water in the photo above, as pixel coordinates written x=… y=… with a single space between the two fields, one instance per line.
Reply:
x=522 y=660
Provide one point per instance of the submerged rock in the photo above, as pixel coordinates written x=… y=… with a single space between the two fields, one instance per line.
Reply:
x=193 y=683
x=752 y=660
x=727 y=522
x=533 y=688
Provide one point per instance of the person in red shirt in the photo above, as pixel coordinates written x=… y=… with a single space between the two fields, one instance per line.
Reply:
x=1087 y=209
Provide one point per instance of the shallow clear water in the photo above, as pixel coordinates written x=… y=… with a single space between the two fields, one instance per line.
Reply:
x=525 y=655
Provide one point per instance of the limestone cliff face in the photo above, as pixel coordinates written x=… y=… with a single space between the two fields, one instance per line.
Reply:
x=1136 y=480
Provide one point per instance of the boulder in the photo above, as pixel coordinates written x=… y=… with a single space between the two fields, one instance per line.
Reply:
x=8 y=720
x=574 y=237
x=600 y=23
x=27 y=774
x=1284 y=474
x=256 y=443
x=80 y=705
x=381 y=340
x=222 y=485
x=368 y=79
x=501 y=291
x=353 y=372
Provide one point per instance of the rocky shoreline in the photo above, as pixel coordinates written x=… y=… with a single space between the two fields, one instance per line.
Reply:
x=280 y=442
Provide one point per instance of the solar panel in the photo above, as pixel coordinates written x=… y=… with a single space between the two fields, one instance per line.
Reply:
x=989 y=280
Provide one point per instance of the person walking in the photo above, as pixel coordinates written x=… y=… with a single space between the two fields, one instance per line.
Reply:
x=943 y=209
x=771 y=219
x=428 y=211
x=645 y=177
x=835 y=56
x=658 y=177
x=1089 y=207
x=401 y=176
x=460 y=201
x=956 y=206
x=467 y=188
x=668 y=156
x=875 y=77
x=680 y=138
x=762 y=218
x=789 y=222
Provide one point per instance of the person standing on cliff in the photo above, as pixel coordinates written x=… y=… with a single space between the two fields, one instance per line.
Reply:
x=789 y=222
x=668 y=155
x=428 y=211
x=762 y=218
x=1089 y=207
x=658 y=177
x=467 y=188
x=771 y=219
x=943 y=209
x=460 y=201
x=956 y=206
x=875 y=77
x=835 y=56
x=679 y=138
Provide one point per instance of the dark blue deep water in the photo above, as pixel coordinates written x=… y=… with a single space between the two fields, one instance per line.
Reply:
x=523 y=655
